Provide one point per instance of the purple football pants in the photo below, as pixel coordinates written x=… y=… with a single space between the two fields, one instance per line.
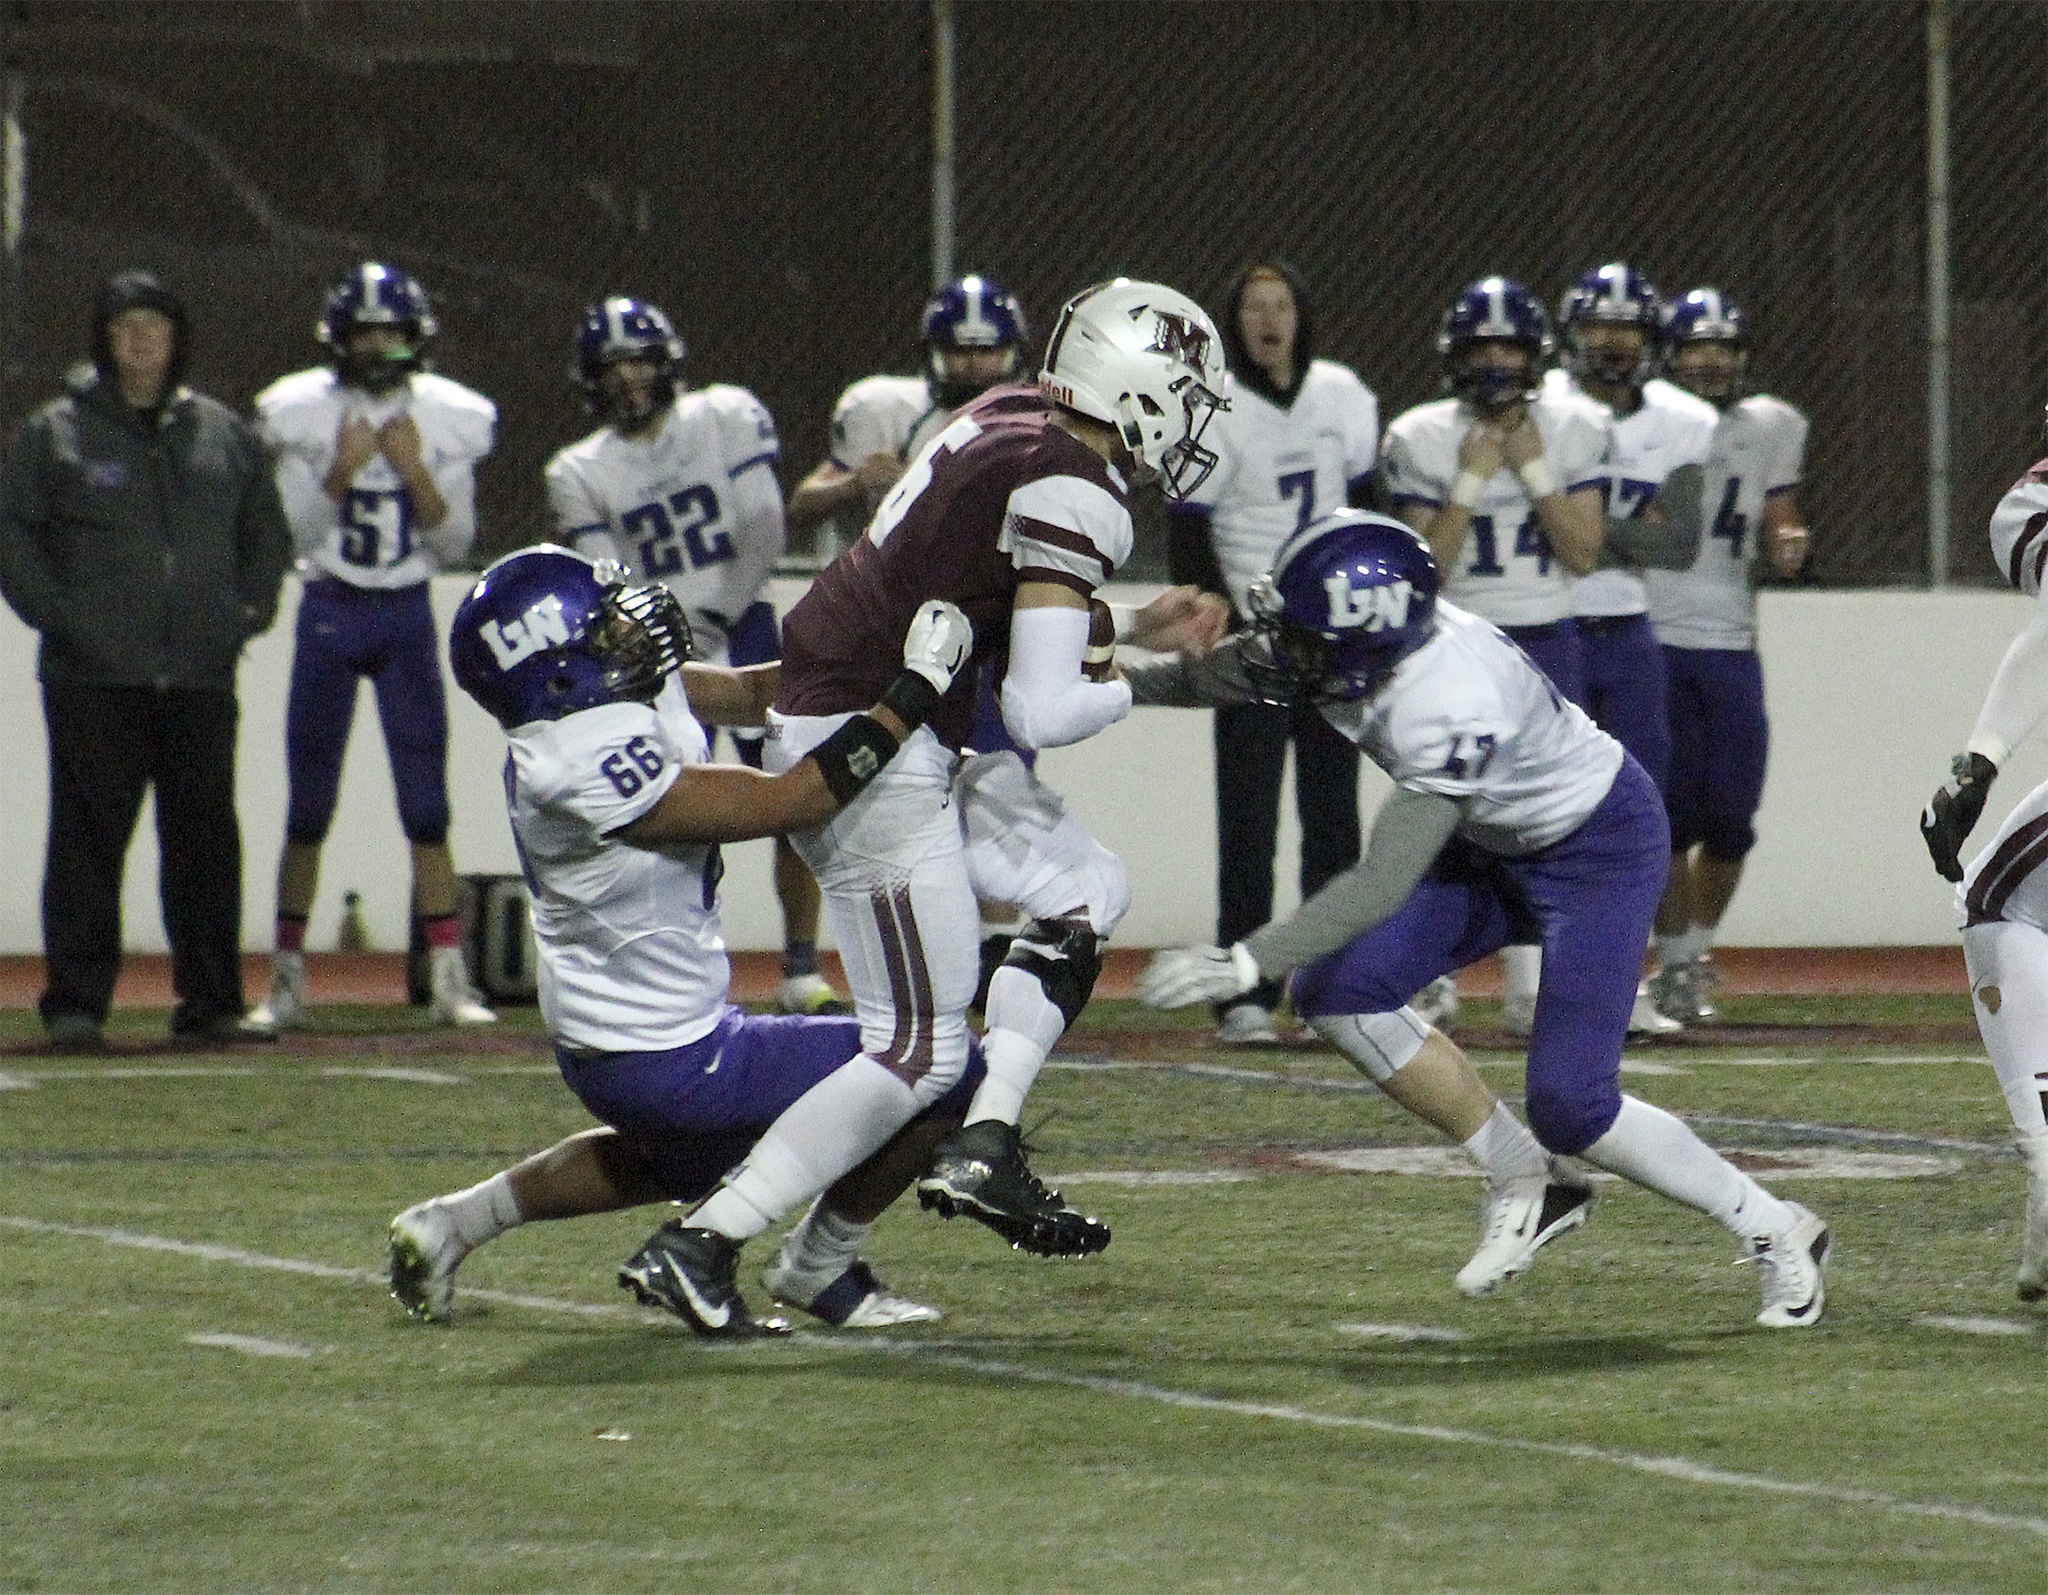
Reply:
x=1588 y=900
x=1625 y=687
x=1557 y=651
x=345 y=633
x=1720 y=740
x=695 y=1112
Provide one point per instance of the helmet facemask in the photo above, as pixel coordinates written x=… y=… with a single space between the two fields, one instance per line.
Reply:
x=641 y=638
x=1179 y=467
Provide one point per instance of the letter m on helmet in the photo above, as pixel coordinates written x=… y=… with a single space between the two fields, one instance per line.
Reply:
x=1180 y=339
x=1378 y=608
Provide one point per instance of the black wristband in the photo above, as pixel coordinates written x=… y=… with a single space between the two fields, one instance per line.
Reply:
x=853 y=756
x=911 y=699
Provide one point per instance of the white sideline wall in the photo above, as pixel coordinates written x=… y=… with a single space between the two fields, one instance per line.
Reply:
x=1870 y=693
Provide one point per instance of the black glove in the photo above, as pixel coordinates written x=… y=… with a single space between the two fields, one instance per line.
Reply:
x=1953 y=810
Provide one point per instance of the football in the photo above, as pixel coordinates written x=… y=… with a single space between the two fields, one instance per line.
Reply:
x=1099 y=663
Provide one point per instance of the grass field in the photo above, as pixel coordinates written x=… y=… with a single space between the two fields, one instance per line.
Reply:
x=1266 y=1383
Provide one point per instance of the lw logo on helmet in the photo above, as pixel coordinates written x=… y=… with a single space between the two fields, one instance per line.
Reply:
x=1373 y=608
x=542 y=627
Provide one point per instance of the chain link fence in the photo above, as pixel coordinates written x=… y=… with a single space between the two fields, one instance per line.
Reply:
x=763 y=170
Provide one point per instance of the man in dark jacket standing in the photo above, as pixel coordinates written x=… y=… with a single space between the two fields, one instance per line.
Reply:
x=141 y=535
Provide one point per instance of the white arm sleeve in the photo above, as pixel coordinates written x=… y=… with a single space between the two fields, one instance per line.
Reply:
x=761 y=534
x=450 y=542
x=1047 y=702
x=2018 y=697
x=314 y=517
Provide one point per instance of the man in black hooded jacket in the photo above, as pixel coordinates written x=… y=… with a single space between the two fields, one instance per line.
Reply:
x=1299 y=440
x=141 y=535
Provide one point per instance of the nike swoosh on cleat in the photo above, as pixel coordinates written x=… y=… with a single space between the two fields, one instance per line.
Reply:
x=712 y=1317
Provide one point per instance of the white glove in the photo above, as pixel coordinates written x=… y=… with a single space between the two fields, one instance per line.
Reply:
x=1180 y=976
x=938 y=642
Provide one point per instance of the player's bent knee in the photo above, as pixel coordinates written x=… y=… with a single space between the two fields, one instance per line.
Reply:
x=1728 y=842
x=1063 y=956
x=1379 y=1045
x=1568 y=1122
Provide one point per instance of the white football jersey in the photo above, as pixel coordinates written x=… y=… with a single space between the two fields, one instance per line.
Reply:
x=695 y=505
x=1468 y=717
x=884 y=415
x=632 y=958
x=1278 y=469
x=1507 y=572
x=369 y=539
x=2018 y=525
x=1668 y=429
x=1759 y=448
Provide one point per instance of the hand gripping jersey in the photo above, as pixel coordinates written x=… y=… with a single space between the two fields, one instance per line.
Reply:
x=1506 y=572
x=632 y=957
x=1278 y=469
x=2019 y=530
x=694 y=506
x=369 y=539
x=884 y=415
x=1467 y=716
x=1668 y=429
x=1000 y=497
x=1759 y=448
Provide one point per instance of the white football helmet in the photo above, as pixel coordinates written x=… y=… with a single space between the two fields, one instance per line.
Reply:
x=1147 y=361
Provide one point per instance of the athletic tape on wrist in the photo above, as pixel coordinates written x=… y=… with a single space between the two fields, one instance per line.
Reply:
x=1466 y=490
x=853 y=756
x=1538 y=478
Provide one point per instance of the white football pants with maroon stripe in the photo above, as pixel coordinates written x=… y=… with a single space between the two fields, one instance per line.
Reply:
x=2002 y=905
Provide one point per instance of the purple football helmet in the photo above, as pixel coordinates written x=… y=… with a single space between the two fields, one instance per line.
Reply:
x=1494 y=310
x=623 y=328
x=1614 y=295
x=1348 y=598
x=546 y=632
x=970 y=313
x=373 y=295
x=1706 y=315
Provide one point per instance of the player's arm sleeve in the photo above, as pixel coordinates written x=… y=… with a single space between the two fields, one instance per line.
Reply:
x=1788 y=460
x=314 y=517
x=2018 y=696
x=1409 y=488
x=1669 y=540
x=1047 y=701
x=1175 y=681
x=1407 y=835
x=761 y=531
x=580 y=521
x=1361 y=447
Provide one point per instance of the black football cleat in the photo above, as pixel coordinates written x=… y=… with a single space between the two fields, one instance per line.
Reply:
x=980 y=1172
x=691 y=1273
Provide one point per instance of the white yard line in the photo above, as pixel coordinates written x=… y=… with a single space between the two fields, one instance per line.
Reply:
x=1680 y=1469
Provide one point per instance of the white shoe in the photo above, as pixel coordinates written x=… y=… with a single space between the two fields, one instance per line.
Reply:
x=1437 y=1003
x=1517 y=1014
x=455 y=1001
x=1680 y=991
x=811 y=994
x=1791 y=1264
x=1246 y=1024
x=285 y=1007
x=850 y=1299
x=2033 y=1281
x=1645 y=1020
x=424 y=1252
x=1523 y=1217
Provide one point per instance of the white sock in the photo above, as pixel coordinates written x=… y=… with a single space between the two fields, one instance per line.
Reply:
x=2008 y=966
x=1505 y=1149
x=1660 y=1153
x=823 y=1242
x=1688 y=946
x=1023 y=1026
x=483 y=1211
x=1524 y=966
x=840 y=1121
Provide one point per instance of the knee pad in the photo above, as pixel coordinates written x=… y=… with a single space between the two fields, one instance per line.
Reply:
x=1063 y=956
x=1379 y=1045
x=1566 y=1123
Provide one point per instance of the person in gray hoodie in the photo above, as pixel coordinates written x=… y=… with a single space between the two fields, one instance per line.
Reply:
x=141 y=535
